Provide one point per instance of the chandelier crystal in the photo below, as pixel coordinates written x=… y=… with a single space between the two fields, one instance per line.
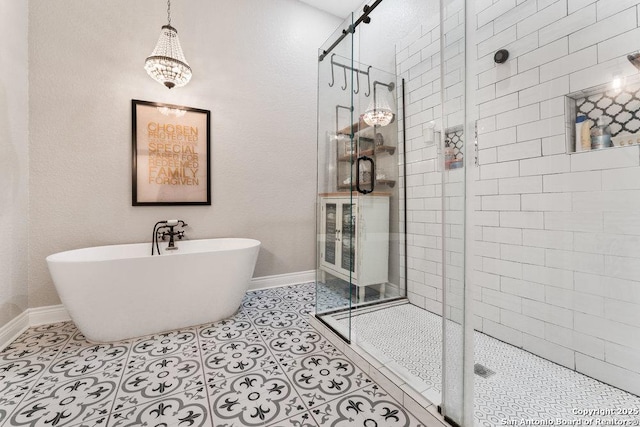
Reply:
x=167 y=64
x=379 y=113
x=378 y=116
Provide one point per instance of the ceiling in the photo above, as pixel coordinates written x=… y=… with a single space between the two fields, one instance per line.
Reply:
x=339 y=8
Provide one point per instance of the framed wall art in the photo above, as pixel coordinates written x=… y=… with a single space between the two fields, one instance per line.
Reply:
x=171 y=155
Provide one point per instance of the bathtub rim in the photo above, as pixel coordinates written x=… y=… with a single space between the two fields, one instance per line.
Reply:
x=65 y=256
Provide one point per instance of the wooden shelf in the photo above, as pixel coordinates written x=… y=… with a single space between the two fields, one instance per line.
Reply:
x=385 y=149
x=356 y=194
x=354 y=128
x=388 y=182
x=365 y=140
x=379 y=149
x=346 y=158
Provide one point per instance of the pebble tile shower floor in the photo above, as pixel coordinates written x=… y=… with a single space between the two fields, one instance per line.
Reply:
x=265 y=366
x=524 y=388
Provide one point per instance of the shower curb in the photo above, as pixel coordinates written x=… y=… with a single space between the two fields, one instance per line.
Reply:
x=399 y=389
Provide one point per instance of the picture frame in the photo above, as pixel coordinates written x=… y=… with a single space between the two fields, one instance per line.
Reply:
x=171 y=153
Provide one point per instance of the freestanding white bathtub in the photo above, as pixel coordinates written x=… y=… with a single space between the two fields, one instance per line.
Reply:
x=121 y=291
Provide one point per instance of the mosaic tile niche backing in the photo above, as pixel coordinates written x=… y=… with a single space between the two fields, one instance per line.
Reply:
x=620 y=107
x=453 y=139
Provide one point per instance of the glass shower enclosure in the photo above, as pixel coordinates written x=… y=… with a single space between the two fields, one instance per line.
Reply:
x=493 y=265
x=391 y=192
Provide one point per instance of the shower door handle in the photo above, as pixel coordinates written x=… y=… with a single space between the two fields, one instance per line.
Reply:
x=372 y=178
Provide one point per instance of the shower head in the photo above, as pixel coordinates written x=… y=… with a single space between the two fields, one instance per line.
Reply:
x=635 y=60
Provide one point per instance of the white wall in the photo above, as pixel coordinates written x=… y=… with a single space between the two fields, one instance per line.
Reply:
x=557 y=241
x=254 y=68
x=14 y=161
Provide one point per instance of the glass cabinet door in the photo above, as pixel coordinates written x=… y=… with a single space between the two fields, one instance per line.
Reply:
x=348 y=234
x=330 y=232
x=338 y=247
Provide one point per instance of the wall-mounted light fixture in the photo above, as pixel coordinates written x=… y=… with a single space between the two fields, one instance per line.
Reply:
x=428 y=132
x=167 y=64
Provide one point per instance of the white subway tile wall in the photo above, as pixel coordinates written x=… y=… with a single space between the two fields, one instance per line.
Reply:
x=563 y=219
x=418 y=63
x=557 y=236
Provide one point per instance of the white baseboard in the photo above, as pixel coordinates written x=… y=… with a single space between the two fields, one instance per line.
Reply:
x=278 y=280
x=15 y=327
x=57 y=313
x=50 y=314
x=31 y=317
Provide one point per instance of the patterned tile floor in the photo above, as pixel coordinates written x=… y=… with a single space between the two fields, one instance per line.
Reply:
x=265 y=366
x=524 y=387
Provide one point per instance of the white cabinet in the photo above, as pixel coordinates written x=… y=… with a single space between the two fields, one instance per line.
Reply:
x=355 y=247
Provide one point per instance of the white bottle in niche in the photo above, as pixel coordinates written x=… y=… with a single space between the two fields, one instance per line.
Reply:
x=579 y=121
x=585 y=135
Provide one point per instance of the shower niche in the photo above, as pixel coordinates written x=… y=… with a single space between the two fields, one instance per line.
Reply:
x=604 y=116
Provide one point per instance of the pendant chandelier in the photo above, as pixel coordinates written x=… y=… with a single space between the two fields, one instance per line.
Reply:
x=167 y=64
x=379 y=113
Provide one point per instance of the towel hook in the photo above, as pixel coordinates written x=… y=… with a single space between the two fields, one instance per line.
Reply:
x=355 y=91
x=333 y=80
x=345 y=78
x=368 y=81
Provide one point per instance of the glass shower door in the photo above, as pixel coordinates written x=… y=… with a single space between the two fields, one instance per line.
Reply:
x=358 y=200
x=457 y=332
x=336 y=203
